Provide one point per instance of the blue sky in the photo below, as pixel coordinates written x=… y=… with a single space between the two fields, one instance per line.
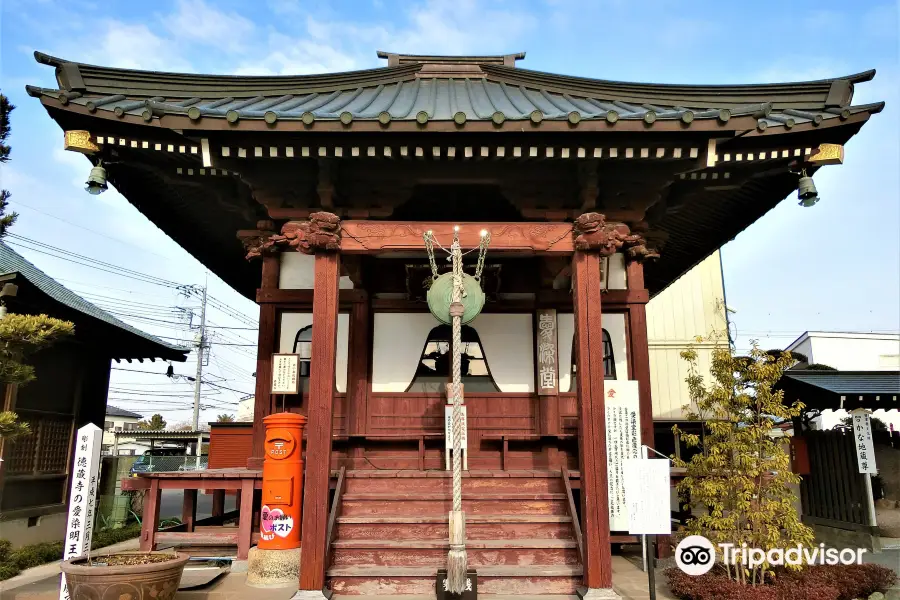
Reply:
x=832 y=267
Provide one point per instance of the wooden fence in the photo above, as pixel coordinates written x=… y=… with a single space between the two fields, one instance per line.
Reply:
x=834 y=493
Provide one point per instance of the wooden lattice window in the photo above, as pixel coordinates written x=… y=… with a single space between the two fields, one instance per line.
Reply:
x=43 y=451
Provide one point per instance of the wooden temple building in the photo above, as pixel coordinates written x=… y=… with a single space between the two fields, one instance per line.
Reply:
x=311 y=195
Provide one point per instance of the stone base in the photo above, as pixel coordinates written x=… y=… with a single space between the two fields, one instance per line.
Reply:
x=273 y=568
x=311 y=595
x=598 y=594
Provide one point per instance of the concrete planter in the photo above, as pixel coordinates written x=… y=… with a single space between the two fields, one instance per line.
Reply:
x=153 y=581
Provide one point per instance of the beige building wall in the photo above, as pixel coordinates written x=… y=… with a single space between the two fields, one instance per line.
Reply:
x=694 y=305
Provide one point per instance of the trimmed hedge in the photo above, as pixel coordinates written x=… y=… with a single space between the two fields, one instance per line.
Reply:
x=12 y=562
x=819 y=582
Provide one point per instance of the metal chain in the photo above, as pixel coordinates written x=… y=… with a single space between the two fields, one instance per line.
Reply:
x=482 y=253
x=429 y=248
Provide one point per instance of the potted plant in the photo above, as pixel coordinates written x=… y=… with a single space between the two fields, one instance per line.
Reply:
x=125 y=576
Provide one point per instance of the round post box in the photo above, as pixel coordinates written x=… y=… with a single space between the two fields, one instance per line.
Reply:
x=282 y=491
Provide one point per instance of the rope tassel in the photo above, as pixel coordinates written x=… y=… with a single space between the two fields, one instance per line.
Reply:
x=456 y=558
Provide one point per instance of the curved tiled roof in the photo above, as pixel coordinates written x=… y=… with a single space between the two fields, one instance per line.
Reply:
x=451 y=89
x=12 y=262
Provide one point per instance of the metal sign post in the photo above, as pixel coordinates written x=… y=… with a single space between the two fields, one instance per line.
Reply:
x=82 y=497
x=647 y=488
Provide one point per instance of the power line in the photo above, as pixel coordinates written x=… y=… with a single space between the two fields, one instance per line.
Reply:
x=87 y=261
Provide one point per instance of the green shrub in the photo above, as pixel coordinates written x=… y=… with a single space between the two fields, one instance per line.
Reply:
x=12 y=562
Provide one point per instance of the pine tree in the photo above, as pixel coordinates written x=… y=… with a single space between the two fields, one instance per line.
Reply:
x=225 y=419
x=155 y=423
x=20 y=335
x=6 y=220
x=739 y=480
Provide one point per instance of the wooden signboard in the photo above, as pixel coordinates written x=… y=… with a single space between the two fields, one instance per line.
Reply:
x=862 y=440
x=448 y=436
x=82 y=497
x=547 y=352
x=623 y=441
x=285 y=373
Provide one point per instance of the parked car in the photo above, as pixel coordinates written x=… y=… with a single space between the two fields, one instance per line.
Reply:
x=158 y=459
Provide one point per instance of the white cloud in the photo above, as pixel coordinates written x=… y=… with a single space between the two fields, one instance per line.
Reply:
x=131 y=46
x=196 y=22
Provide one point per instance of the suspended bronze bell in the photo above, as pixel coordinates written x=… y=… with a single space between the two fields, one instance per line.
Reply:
x=806 y=190
x=440 y=296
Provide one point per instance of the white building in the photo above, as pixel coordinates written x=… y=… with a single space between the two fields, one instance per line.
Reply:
x=119 y=420
x=851 y=351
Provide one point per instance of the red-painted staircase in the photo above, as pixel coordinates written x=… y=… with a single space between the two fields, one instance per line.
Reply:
x=392 y=533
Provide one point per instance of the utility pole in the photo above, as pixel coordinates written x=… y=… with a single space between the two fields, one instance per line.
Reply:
x=201 y=345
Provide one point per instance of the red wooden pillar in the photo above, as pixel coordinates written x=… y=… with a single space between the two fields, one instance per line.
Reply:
x=268 y=336
x=639 y=350
x=320 y=414
x=591 y=420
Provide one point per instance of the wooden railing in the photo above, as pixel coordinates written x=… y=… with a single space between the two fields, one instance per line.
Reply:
x=332 y=517
x=573 y=512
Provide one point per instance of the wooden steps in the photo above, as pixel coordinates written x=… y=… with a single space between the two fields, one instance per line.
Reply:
x=391 y=535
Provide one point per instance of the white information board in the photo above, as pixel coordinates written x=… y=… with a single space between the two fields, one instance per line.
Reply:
x=448 y=436
x=862 y=440
x=623 y=441
x=285 y=373
x=647 y=493
x=85 y=477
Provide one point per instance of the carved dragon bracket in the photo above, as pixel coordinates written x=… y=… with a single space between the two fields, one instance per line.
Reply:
x=320 y=233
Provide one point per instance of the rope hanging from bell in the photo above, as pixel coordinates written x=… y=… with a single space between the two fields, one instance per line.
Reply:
x=457 y=311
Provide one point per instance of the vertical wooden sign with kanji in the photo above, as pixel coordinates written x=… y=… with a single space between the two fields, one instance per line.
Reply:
x=82 y=497
x=547 y=353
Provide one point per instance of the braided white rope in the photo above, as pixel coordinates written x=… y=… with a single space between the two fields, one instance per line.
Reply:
x=457 y=378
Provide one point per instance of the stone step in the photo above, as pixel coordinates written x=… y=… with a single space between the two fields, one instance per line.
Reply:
x=436 y=557
x=441 y=506
x=438 y=530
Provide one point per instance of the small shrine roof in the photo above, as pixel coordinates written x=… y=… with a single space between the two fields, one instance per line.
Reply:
x=419 y=89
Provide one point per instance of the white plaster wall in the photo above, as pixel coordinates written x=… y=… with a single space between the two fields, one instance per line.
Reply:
x=846 y=352
x=614 y=272
x=292 y=322
x=399 y=338
x=296 y=272
x=397 y=342
x=613 y=323
x=508 y=344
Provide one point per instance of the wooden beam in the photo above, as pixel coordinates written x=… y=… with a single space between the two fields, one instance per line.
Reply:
x=591 y=420
x=276 y=296
x=372 y=237
x=321 y=409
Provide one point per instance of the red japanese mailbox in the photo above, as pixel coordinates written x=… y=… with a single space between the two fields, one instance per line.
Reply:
x=282 y=487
